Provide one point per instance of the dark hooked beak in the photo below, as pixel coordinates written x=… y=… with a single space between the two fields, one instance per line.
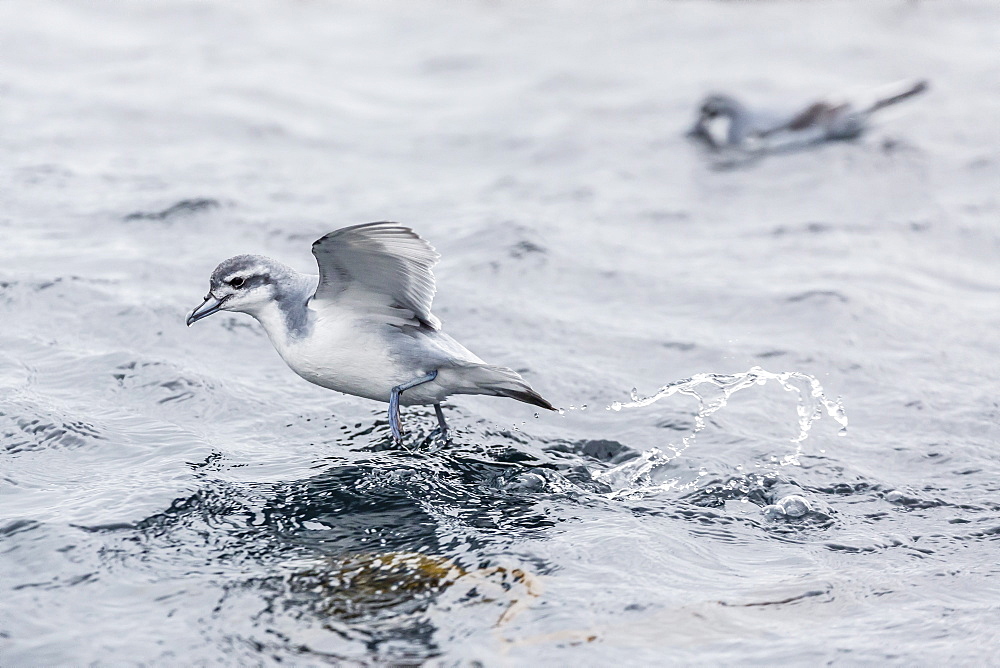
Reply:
x=699 y=129
x=208 y=307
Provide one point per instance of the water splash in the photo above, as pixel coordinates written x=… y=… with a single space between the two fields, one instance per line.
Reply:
x=636 y=475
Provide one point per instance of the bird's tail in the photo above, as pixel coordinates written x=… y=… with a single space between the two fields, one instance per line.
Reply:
x=499 y=381
x=912 y=88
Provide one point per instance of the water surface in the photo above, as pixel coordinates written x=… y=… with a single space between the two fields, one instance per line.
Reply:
x=178 y=496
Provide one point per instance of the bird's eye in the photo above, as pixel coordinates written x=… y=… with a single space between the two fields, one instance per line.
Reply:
x=237 y=282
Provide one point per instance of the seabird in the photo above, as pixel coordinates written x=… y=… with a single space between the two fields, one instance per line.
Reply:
x=819 y=121
x=364 y=325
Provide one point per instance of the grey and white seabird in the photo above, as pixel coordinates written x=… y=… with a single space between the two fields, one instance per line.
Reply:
x=363 y=326
x=820 y=121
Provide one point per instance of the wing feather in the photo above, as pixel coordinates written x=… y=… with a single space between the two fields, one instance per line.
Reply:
x=384 y=263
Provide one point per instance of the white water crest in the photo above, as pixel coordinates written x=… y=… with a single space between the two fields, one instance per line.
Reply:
x=712 y=391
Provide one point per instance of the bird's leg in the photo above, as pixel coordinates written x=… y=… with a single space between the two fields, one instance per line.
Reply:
x=441 y=423
x=397 y=435
x=397 y=438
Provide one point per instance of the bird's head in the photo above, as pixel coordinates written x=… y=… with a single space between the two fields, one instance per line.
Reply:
x=244 y=284
x=718 y=105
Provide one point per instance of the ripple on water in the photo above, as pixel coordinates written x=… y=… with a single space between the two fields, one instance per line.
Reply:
x=184 y=207
x=26 y=427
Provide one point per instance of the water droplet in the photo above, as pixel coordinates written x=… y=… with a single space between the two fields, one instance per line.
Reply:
x=773 y=512
x=712 y=391
x=794 y=505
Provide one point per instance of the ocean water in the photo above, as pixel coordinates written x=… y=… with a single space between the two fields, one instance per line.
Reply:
x=816 y=481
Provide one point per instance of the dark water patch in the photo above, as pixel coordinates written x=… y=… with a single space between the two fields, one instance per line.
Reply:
x=356 y=548
x=15 y=527
x=164 y=388
x=598 y=450
x=13 y=288
x=845 y=488
x=683 y=346
x=715 y=493
x=380 y=600
x=58 y=582
x=820 y=295
x=184 y=207
x=785 y=526
x=236 y=525
x=392 y=503
x=497 y=497
x=910 y=502
x=806 y=228
x=24 y=429
x=524 y=248
x=783 y=601
x=521 y=243
x=991 y=533
x=159 y=381
x=855 y=549
x=726 y=161
x=679 y=424
x=778 y=508
x=347 y=509
x=698 y=514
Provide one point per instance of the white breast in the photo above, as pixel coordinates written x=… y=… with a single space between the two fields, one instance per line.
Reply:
x=342 y=352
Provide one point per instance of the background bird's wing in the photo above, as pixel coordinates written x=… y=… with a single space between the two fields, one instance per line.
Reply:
x=378 y=264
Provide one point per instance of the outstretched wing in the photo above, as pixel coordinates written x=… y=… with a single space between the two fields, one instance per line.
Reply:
x=382 y=264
